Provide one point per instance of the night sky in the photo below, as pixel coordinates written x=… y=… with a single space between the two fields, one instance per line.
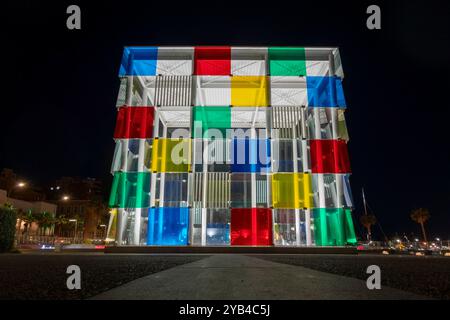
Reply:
x=58 y=102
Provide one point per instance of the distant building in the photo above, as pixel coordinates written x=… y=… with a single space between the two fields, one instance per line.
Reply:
x=75 y=188
x=75 y=204
x=80 y=201
x=19 y=188
x=89 y=216
x=35 y=208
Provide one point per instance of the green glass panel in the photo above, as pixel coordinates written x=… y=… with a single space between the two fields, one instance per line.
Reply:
x=211 y=122
x=287 y=61
x=130 y=190
x=320 y=227
x=349 y=228
x=336 y=225
x=333 y=227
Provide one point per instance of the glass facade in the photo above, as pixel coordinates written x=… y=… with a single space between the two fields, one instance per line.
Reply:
x=231 y=146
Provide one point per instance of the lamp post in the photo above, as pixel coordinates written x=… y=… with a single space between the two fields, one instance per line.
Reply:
x=67 y=198
x=440 y=242
x=76 y=223
x=104 y=230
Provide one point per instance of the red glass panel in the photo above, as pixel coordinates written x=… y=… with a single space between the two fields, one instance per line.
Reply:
x=134 y=123
x=251 y=227
x=212 y=61
x=329 y=156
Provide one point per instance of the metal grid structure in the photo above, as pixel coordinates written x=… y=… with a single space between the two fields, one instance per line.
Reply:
x=231 y=146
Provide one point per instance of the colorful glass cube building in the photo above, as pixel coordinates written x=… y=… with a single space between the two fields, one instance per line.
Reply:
x=231 y=146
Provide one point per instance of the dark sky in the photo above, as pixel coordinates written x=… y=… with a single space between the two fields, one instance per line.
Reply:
x=58 y=102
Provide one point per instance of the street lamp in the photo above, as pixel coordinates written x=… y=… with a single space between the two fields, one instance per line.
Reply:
x=65 y=198
x=76 y=223
x=104 y=232
x=20 y=184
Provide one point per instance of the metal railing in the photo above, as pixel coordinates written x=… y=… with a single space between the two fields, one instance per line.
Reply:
x=48 y=240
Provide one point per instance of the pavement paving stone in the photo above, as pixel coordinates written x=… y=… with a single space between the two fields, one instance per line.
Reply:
x=240 y=277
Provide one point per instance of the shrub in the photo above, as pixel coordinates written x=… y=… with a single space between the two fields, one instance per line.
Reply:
x=8 y=219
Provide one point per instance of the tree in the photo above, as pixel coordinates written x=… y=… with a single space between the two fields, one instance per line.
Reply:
x=60 y=221
x=420 y=216
x=20 y=214
x=368 y=220
x=45 y=221
x=8 y=220
x=28 y=217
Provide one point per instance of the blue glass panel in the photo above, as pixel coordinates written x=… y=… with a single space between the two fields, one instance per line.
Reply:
x=250 y=155
x=325 y=92
x=133 y=145
x=217 y=234
x=139 y=61
x=168 y=226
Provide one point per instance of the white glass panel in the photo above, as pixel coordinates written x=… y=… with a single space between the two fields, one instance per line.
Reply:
x=288 y=91
x=212 y=91
x=126 y=155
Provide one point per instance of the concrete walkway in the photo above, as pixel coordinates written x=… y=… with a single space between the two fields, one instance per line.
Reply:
x=242 y=277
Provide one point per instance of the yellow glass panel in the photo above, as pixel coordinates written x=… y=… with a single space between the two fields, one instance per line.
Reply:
x=291 y=190
x=112 y=226
x=171 y=155
x=249 y=91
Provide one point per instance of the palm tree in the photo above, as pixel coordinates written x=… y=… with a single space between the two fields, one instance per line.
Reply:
x=20 y=214
x=28 y=217
x=45 y=221
x=60 y=221
x=420 y=216
x=368 y=220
